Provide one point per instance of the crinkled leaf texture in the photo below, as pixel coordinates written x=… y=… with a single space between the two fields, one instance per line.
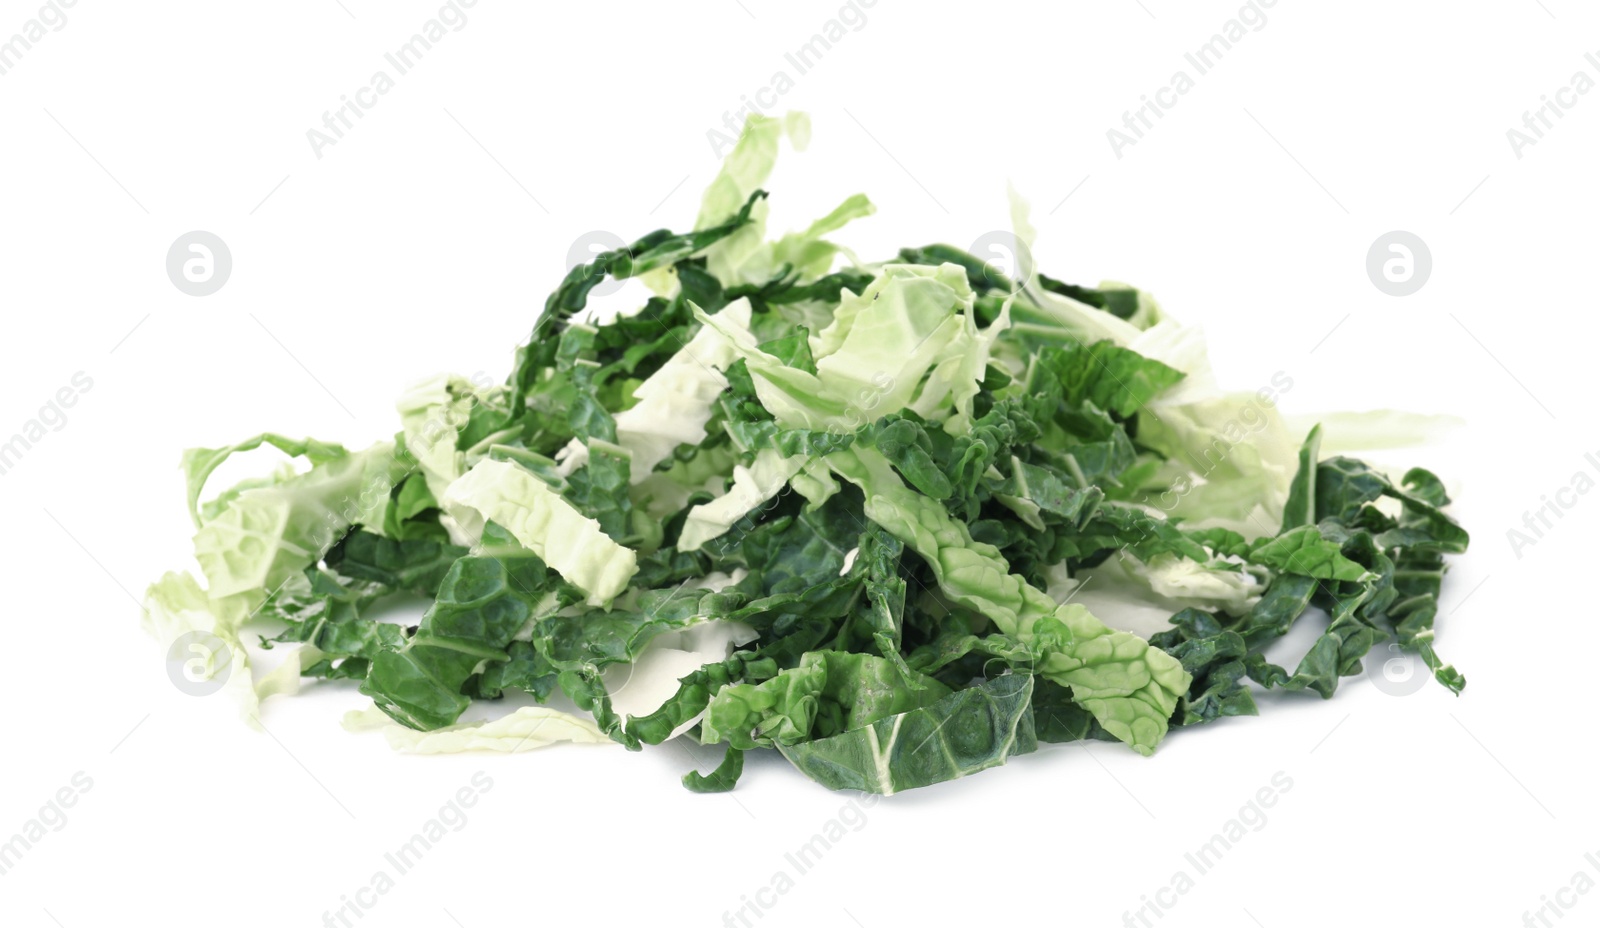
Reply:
x=1130 y=687
x=967 y=731
x=544 y=523
x=266 y=534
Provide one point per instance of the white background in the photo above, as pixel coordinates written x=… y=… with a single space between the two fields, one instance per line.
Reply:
x=427 y=239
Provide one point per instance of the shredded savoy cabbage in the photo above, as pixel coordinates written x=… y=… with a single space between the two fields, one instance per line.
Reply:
x=795 y=501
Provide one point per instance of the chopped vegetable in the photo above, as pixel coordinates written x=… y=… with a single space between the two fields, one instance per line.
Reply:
x=802 y=503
